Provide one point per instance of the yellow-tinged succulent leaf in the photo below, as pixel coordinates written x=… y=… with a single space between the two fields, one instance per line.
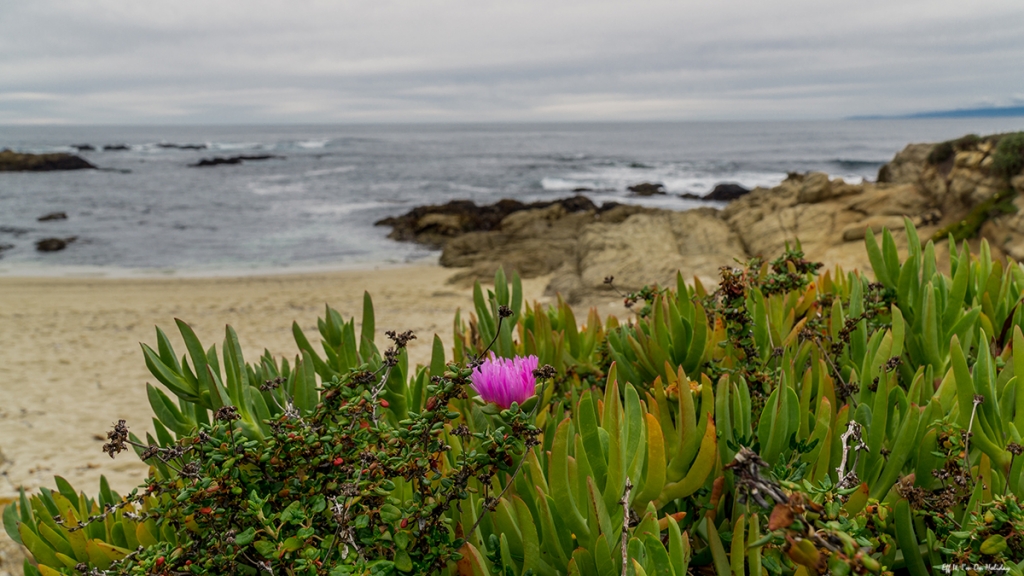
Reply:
x=47 y=571
x=558 y=478
x=471 y=563
x=857 y=500
x=144 y=535
x=97 y=556
x=738 y=547
x=68 y=561
x=699 y=471
x=531 y=540
x=654 y=479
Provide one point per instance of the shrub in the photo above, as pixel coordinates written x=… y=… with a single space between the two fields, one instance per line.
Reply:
x=1008 y=159
x=941 y=152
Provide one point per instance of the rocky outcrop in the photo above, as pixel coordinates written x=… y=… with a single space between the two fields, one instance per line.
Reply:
x=218 y=160
x=435 y=225
x=11 y=161
x=115 y=147
x=648 y=247
x=638 y=246
x=534 y=242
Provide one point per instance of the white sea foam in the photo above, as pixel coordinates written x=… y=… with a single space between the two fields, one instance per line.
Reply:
x=265 y=188
x=555 y=184
x=327 y=171
x=469 y=188
x=678 y=178
x=313 y=144
x=235 y=145
x=342 y=209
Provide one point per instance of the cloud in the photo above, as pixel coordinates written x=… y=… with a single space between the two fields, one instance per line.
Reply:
x=109 y=61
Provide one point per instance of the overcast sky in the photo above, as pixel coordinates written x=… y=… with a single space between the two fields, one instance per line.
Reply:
x=253 y=61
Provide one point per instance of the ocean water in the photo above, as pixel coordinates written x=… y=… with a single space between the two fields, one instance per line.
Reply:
x=313 y=207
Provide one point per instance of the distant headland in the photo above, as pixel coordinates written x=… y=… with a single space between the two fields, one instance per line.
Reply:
x=987 y=112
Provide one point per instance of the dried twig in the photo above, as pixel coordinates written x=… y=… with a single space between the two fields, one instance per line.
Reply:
x=625 y=524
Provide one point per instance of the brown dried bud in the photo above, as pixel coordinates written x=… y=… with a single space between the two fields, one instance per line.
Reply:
x=226 y=414
x=545 y=371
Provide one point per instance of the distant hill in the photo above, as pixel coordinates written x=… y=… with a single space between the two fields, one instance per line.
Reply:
x=991 y=112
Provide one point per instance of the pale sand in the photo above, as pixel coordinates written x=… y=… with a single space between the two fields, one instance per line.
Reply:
x=71 y=365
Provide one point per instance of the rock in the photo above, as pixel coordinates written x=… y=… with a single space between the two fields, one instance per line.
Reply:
x=435 y=225
x=533 y=242
x=727 y=192
x=11 y=161
x=54 y=244
x=815 y=187
x=218 y=160
x=906 y=166
x=182 y=146
x=53 y=216
x=650 y=247
x=1018 y=183
x=968 y=159
x=582 y=189
x=722 y=193
x=84 y=147
x=876 y=223
x=888 y=200
x=647 y=189
x=5 y=247
x=115 y=147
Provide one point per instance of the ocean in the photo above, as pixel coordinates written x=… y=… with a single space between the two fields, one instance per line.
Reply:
x=313 y=205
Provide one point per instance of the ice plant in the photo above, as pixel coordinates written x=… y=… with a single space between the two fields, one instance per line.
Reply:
x=505 y=380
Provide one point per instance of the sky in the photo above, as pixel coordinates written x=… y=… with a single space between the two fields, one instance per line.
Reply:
x=312 y=61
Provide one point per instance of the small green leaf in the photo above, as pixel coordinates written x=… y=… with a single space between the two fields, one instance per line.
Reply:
x=402 y=561
x=245 y=537
x=390 y=513
x=293 y=513
x=994 y=544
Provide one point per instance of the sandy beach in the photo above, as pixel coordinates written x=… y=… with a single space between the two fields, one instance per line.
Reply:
x=70 y=361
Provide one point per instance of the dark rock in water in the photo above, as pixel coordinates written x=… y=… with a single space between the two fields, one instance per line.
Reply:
x=727 y=192
x=53 y=216
x=218 y=160
x=83 y=147
x=434 y=225
x=115 y=147
x=582 y=189
x=54 y=244
x=638 y=165
x=721 y=193
x=11 y=161
x=182 y=146
x=647 y=189
x=5 y=247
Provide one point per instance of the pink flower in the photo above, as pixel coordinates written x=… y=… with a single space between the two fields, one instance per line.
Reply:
x=504 y=381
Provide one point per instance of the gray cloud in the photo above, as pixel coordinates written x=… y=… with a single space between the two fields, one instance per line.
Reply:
x=112 y=61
